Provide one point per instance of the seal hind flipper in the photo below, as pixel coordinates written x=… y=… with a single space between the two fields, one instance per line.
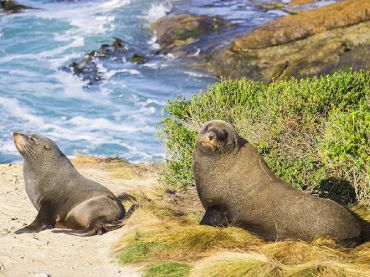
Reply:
x=97 y=230
x=100 y=228
x=125 y=197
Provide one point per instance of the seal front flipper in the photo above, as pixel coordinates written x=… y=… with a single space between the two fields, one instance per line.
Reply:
x=214 y=217
x=45 y=219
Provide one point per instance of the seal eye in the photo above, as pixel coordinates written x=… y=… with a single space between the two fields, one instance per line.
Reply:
x=31 y=139
x=47 y=148
x=224 y=134
x=205 y=129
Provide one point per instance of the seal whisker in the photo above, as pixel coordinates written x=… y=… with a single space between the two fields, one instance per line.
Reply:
x=32 y=150
x=29 y=151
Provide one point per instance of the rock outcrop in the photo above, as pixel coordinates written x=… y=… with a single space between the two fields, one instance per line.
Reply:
x=175 y=32
x=11 y=6
x=313 y=42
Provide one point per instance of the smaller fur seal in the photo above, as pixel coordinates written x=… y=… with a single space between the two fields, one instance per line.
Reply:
x=236 y=187
x=62 y=196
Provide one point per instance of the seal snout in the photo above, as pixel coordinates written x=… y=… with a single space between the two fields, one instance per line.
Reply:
x=18 y=140
x=209 y=141
x=211 y=136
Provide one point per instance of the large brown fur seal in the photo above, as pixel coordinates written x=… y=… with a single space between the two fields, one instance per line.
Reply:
x=61 y=195
x=236 y=187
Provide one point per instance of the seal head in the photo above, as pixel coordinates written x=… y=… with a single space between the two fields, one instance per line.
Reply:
x=36 y=148
x=217 y=137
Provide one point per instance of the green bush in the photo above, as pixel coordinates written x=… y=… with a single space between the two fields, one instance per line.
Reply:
x=308 y=130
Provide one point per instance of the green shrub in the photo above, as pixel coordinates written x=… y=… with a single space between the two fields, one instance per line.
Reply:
x=308 y=130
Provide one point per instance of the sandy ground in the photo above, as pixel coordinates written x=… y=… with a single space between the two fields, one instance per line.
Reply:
x=51 y=253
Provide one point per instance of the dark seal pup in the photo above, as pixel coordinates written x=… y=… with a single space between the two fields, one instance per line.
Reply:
x=236 y=187
x=62 y=196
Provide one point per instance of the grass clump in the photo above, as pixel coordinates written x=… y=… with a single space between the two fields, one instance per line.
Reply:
x=160 y=232
x=236 y=264
x=170 y=242
x=298 y=252
x=138 y=249
x=325 y=270
x=201 y=238
x=167 y=269
x=312 y=132
x=187 y=242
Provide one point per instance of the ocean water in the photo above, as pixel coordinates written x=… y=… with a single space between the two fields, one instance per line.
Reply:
x=117 y=117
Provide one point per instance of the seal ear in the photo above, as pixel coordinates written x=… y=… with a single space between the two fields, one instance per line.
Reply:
x=47 y=148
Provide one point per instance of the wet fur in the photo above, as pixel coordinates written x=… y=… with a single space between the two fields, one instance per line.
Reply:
x=236 y=187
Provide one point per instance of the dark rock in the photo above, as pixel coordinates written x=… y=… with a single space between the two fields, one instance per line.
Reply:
x=137 y=58
x=87 y=68
x=175 y=32
x=11 y=6
x=270 y=5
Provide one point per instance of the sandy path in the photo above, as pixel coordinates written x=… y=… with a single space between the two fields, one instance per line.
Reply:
x=47 y=252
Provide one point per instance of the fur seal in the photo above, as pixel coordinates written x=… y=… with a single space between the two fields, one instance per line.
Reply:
x=236 y=187
x=62 y=196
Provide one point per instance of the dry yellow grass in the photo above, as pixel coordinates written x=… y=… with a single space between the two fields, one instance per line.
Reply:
x=161 y=232
x=228 y=264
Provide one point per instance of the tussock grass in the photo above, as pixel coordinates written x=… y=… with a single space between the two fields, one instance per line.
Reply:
x=167 y=239
x=362 y=211
x=236 y=264
x=158 y=238
x=167 y=269
x=202 y=238
x=296 y=252
x=325 y=269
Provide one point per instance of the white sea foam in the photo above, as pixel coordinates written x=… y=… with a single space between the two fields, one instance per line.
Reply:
x=196 y=53
x=45 y=55
x=87 y=17
x=156 y=11
x=90 y=124
x=14 y=108
x=153 y=43
x=155 y=65
x=196 y=74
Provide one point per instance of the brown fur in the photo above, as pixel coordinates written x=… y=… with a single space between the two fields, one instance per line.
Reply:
x=236 y=187
x=62 y=196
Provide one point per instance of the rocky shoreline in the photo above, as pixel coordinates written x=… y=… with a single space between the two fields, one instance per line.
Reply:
x=313 y=39
x=312 y=42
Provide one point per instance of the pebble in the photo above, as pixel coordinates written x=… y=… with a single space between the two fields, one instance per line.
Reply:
x=41 y=275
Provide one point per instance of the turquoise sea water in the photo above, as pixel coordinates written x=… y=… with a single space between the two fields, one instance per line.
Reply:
x=117 y=117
